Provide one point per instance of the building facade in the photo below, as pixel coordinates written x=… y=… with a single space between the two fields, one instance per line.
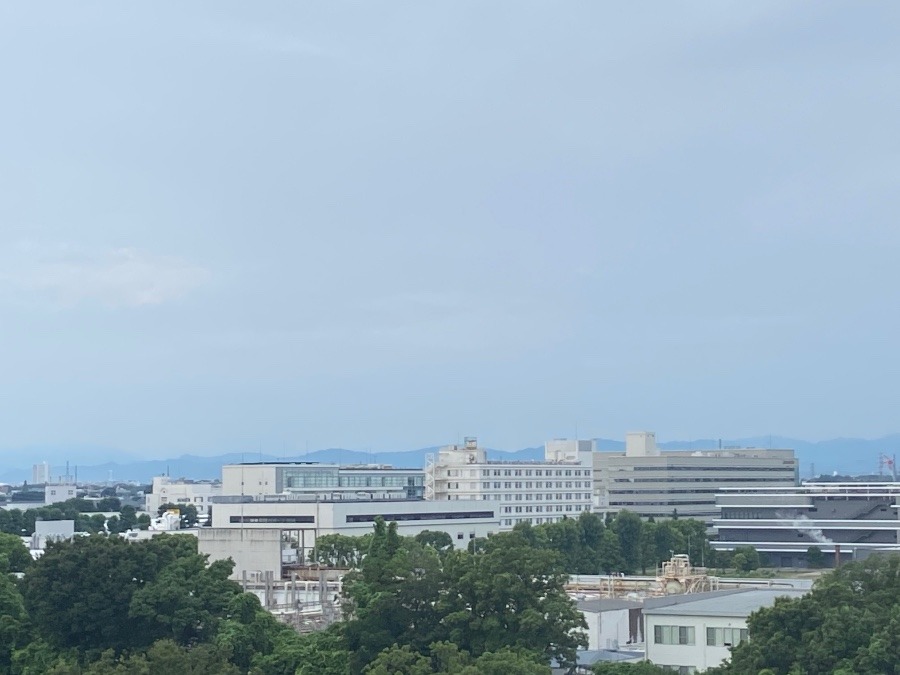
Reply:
x=54 y=493
x=691 y=633
x=181 y=492
x=652 y=482
x=540 y=491
x=850 y=520
x=301 y=519
x=324 y=481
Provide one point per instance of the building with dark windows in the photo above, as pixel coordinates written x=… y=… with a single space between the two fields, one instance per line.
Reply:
x=653 y=482
x=843 y=520
x=327 y=481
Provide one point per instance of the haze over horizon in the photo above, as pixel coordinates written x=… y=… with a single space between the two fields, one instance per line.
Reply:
x=230 y=226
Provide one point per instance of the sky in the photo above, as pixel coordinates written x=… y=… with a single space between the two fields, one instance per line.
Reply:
x=280 y=226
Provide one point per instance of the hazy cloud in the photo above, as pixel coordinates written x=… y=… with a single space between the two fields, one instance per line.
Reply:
x=116 y=277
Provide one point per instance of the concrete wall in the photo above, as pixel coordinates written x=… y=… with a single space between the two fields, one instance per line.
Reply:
x=606 y=627
x=254 y=550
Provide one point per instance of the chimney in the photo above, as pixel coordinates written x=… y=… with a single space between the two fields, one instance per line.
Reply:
x=837 y=556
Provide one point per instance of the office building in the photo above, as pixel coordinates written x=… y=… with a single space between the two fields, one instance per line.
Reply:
x=846 y=520
x=653 y=482
x=539 y=491
x=181 y=492
x=325 y=481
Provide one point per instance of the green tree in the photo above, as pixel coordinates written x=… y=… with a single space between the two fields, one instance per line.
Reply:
x=439 y=541
x=745 y=559
x=393 y=597
x=609 y=556
x=648 y=547
x=398 y=660
x=79 y=593
x=14 y=556
x=815 y=557
x=14 y=632
x=511 y=595
x=847 y=624
x=186 y=600
x=322 y=653
x=627 y=527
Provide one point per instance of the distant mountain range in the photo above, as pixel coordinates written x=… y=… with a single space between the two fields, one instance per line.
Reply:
x=842 y=455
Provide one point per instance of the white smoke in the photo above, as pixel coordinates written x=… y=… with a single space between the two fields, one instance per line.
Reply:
x=803 y=524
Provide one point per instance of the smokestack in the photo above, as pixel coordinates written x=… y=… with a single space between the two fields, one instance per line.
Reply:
x=837 y=556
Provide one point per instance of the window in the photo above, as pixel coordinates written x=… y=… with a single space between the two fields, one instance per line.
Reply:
x=459 y=535
x=673 y=635
x=726 y=637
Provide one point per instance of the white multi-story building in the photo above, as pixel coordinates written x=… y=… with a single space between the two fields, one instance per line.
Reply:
x=323 y=481
x=40 y=473
x=181 y=492
x=652 y=482
x=540 y=491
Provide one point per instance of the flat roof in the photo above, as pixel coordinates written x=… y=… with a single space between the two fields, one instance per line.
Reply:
x=607 y=604
x=740 y=604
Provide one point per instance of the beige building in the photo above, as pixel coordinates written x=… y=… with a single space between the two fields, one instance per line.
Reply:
x=538 y=491
x=652 y=482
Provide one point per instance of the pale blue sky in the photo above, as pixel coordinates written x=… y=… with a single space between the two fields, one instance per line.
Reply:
x=230 y=225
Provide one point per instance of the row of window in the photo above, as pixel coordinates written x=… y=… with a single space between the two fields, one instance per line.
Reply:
x=532 y=484
x=539 y=497
x=509 y=522
x=487 y=473
x=684 y=635
x=540 y=509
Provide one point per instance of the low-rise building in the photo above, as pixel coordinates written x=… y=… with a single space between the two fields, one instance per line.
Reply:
x=181 y=492
x=690 y=633
x=539 y=491
x=846 y=520
x=652 y=482
x=300 y=520
x=54 y=493
x=612 y=623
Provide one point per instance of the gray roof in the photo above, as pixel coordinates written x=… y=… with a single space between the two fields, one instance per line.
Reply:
x=740 y=604
x=588 y=657
x=607 y=604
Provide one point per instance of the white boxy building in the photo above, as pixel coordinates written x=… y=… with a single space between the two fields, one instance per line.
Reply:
x=693 y=632
x=181 y=492
x=538 y=491
x=297 y=522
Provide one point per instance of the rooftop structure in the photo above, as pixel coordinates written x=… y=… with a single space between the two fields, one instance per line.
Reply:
x=849 y=520
x=321 y=480
x=659 y=483
x=536 y=491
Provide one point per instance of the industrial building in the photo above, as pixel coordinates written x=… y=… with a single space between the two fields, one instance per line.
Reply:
x=325 y=481
x=848 y=520
x=539 y=491
x=653 y=482
x=691 y=633
x=268 y=533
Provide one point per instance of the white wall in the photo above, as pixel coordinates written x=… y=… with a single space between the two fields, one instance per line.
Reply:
x=698 y=655
x=253 y=550
x=604 y=627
